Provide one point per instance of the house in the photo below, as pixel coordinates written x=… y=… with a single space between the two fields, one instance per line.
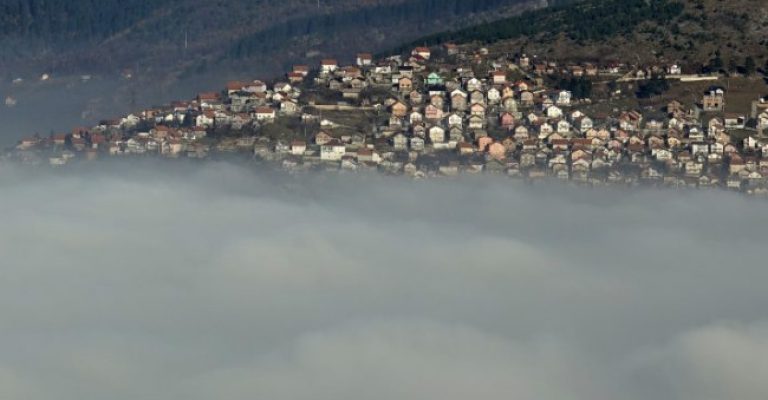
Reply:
x=458 y=100
x=364 y=59
x=415 y=117
x=323 y=138
x=499 y=77
x=713 y=100
x=509 y=104
x=399 y=109
x=521 y=132
x=734 y=121
x=736 y=164
x=437 y=101
x=433 y=113
x=526 y=98
x=477 y=97
x=559 y=144
x=434 y=79
x=422 y=52
x=295 y=77
x=329 y=66
x=477 y=110
x=455 y=134
x=465 y=148
x=494 y=95
x=554 y=112
x=584 y=124
x=290 y=107
x=507 y=91
x=298 y=147
x=750 y=142
x=476 y=122
x=496 y=150
x=419 y=130
x=762 y=122
x=258 y=86
x=524 y=61
x=450 y=169
x=630 y=120
x=455 y=120
x=332 y=151
x=368 y=156
x=417 y=143
x=399 y=141
x=507 y=120
x=302 y=70
x=436 y=134
x=527 y=159
x=405 y=84
x=483 y=142
x=509 y=143
x=699 y=148
x=205 y=119
x=265 y=114
x=563 y=98
x=415 y=97
x=474 y=84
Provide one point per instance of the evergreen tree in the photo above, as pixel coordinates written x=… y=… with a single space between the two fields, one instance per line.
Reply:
x=749 y=65
x=716 y=63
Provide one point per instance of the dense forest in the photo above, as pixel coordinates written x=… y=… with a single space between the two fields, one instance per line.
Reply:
x=405 y=16
x=581 y=21
x=66 y=19
x=188 y=36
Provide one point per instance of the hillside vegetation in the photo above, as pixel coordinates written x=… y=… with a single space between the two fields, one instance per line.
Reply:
x=696 y=33
x=59 y=20
x=188 y=36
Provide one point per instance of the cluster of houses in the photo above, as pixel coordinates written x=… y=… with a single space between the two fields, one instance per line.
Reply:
x=442 y=114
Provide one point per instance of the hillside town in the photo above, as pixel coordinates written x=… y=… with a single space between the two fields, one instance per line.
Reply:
x=447 y=111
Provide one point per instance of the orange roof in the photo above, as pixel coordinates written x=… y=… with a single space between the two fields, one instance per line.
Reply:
x=236 y=85
x=208 y=96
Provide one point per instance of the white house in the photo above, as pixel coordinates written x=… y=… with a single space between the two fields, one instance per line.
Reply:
x=554 y=112
x=564 y=98
x=332 y=151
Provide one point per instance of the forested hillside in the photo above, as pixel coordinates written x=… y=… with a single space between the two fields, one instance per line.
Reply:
x=58 y=20
x=398 y=19
x=582 y=21
x=699 y=34
x=188 y=36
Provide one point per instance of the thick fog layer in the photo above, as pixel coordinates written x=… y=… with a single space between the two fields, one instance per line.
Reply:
x=222 y=283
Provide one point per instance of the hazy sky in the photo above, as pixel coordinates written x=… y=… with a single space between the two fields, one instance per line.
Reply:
x=136 y=282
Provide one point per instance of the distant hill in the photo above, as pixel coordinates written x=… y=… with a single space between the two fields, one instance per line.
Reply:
x=695 y=33
x=189 y=36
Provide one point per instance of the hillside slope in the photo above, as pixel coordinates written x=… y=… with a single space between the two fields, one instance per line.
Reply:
x=691 y=32
x=191 y=35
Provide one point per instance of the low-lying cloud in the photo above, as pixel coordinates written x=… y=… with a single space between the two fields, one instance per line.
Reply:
x=140 y=282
